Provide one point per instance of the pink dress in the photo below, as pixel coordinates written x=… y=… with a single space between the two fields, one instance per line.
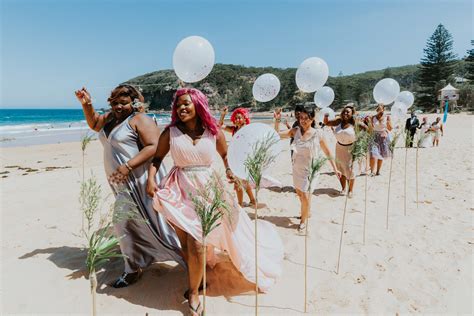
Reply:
x=235 y=236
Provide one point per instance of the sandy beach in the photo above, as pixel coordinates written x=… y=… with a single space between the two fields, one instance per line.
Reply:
x=421 y=264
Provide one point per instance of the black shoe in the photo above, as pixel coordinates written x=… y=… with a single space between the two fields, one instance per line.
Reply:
x=127 y=279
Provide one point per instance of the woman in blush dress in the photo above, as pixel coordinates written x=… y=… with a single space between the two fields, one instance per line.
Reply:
x=193 y=138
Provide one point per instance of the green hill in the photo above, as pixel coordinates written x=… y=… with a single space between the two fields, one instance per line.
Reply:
x=232 y=85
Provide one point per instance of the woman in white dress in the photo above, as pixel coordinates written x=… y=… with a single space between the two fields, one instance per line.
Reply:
x=437 y=128
x=425 y=135
x=380 y=150
x=308 y=144
x=345 y=135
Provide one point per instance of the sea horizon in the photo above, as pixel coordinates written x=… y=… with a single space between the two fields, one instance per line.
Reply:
x=26 y=127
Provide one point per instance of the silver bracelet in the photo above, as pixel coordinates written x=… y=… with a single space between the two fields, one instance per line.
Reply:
x=128 y=166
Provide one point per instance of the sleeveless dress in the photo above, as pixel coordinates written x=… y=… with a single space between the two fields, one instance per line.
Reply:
x=304 y=149
x=345 y=137
x=427 y=137
x=437 y=131
x=235 y=236
x=149 y=238
x=380 y=148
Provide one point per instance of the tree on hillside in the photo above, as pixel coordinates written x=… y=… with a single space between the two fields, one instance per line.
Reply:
x=436 y=65
x=340 y=92
x=387 y=73
x=470 y=64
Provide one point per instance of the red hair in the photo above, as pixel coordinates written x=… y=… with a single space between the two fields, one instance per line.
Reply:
x=243 y=112
x=200 y=104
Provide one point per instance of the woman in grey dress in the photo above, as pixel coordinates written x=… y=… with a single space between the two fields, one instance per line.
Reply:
x=130 y=139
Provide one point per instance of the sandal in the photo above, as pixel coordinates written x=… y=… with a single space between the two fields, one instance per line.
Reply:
x=195 y=311
x=302 y=228
x=127 y=279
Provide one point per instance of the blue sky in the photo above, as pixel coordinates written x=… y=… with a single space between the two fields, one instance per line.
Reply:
x=49 y=48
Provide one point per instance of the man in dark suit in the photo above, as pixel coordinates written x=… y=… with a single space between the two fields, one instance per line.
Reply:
x=411 y=125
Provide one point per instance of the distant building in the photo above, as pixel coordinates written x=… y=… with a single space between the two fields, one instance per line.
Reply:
x=460 y=79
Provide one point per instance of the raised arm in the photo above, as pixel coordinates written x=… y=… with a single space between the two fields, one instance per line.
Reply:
x=329 y=122
x=160 y=154
x=95 y=120
x=287 y=134
x=223 y=114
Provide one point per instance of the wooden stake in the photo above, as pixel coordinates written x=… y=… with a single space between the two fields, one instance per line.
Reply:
x=417 y=200
x=256 y=255
x=342 y=228
x=365 y=209
x=389 y=181
x=93 y=281
x=405 y=194
x=204 y=276
x=306 y=265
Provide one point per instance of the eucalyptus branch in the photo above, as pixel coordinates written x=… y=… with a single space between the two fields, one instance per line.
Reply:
x=260 y=158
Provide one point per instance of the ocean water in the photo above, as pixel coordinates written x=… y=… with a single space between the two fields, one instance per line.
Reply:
x=24 y=127
x=18 y=121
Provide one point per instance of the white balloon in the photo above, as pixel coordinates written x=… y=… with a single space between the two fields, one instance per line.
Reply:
x=398 y=113
x=312 y=74
x=266 y=87
x=406 y=97
x=242 y=144
x=193 y=59
x=386 y=91
x=329 y=111
x=324 y=97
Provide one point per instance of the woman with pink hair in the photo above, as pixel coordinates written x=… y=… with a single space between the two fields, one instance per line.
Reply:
x=239 y=118
x=193 y=138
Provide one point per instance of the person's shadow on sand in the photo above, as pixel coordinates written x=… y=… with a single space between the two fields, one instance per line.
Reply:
x=162 y=285
x=327 y=191
x=280 y=221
